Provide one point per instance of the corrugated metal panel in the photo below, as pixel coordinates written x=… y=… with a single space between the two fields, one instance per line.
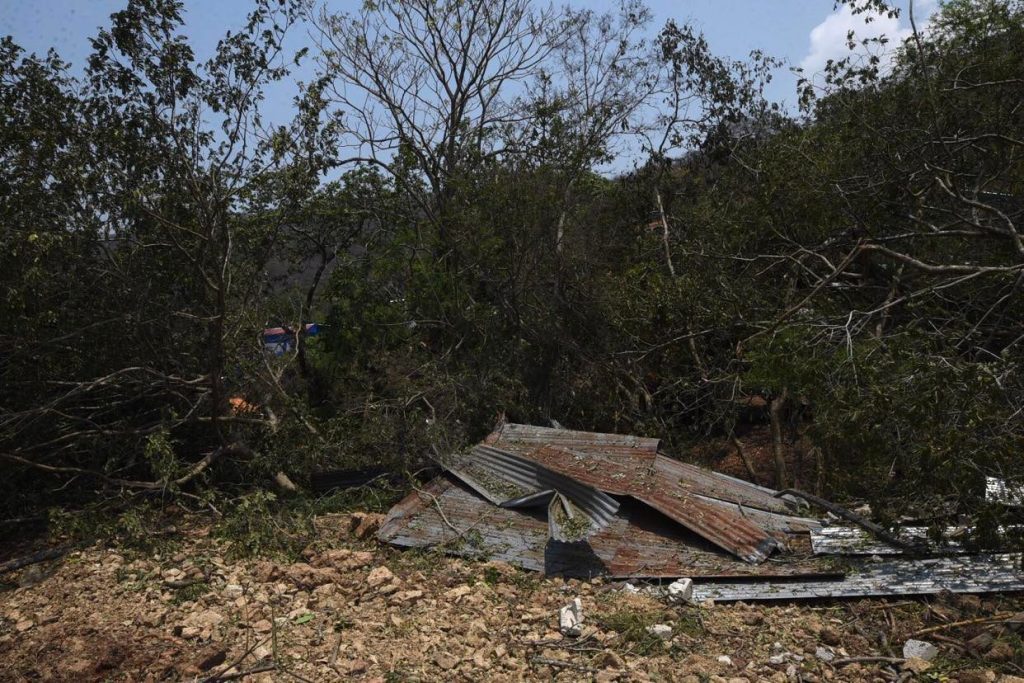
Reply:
x=529 y=435
x=998 y=491
x=657 y=481
x=846 y=540
x=994 y=573
x=720 y=486
x=510 y=480
x=769 y=521
x=638 y=543
x=622 y=474
x=719 y=525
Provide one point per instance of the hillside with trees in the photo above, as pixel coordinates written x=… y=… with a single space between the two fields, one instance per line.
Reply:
x=832 y=299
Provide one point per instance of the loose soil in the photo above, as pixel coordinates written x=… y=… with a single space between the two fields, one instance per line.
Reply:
x=356 y=610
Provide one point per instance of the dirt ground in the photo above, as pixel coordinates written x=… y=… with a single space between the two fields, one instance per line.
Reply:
x=355 y=610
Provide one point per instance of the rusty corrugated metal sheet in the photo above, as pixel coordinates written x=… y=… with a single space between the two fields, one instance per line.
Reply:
x=723 y=487
x=655 y=480
x=576 y=509
x=528 y=435
x=638 y=543
x=609 y=461
x=719 y=525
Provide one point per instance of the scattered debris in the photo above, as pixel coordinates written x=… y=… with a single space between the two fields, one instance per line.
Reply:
x=570 y=619
x=582 y=504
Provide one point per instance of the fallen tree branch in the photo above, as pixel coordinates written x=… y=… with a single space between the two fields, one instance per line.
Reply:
x=966 y=622
x=36 y=558
x=191 y=474
x=855 y=518
x=242 y=674
x=866 y=660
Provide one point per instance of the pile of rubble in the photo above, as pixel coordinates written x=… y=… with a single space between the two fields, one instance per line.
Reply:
x=583 y=504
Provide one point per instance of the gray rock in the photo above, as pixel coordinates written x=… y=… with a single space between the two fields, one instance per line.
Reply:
x=663 y=631
x=919 y=649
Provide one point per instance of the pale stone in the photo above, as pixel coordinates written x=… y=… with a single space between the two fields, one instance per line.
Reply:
x=680 y=590
x=379 y=576
x=570 y=618
x=921 y=649
x=663 y=631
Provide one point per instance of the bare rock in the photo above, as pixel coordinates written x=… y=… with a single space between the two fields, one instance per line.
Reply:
x=446 y=661
x=570 y=618
x=458 y=592
x=364 y=524
x=680 y=591
x=379 y=576
x=920 y=649
x=308 y=577
x=916 y=665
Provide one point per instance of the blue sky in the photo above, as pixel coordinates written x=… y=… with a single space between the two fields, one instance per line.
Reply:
x=803 y=32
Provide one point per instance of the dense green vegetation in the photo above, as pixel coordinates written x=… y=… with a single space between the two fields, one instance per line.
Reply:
x=859 y=266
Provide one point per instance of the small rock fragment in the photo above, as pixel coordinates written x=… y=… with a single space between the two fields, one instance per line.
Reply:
x=570 y=618
x=378 y=576
x=1002 y=651
x=916 y=665
x=920 y=649
x=725 y=659
x=976 y=676
x=752 y=618
x=680 y=590
x=663 y=631
x=365 y=524
x=824 y=654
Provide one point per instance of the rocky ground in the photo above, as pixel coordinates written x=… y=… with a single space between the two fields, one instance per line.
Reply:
x=357 y=610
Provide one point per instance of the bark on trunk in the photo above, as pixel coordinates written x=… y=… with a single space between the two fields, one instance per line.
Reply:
x=775 y=414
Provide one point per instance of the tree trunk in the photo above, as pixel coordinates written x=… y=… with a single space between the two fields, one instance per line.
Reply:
x=775 y=414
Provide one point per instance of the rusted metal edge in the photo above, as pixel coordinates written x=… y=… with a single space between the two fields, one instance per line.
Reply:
x=769 y=521
x=716 y=524
x=500 y=467
x=987 y=573
x=540 y=436
x=657 y=481
x=723 y=487
x=639 y=543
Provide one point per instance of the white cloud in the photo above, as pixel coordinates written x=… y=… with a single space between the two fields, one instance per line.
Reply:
x=828 y=40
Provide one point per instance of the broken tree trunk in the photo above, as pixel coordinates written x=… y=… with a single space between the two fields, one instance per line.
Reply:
x=35 y=558
x=742 y=452
x=851 y=516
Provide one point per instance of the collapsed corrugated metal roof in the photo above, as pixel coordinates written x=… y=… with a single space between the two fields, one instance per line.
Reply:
x=587 y=504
